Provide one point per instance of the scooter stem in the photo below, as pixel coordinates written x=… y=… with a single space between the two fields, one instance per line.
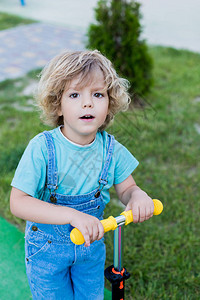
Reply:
x=118 y=252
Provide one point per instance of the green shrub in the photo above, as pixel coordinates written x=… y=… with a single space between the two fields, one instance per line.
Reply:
x=117 y=35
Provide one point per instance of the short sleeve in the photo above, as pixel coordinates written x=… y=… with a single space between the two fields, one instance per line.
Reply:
x=30 y=175
x=125 y=163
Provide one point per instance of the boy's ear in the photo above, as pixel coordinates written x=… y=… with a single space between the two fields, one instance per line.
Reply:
x=59 y=112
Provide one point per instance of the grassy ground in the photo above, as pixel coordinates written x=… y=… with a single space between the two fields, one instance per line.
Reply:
x=8 y=21
x=161 y=254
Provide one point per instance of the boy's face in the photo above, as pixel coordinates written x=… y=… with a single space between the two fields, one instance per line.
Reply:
x=84 y=108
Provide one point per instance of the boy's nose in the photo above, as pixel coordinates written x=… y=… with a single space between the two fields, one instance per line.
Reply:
x=87 y=101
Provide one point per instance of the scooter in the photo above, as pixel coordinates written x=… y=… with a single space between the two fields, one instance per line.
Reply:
x=116 y=273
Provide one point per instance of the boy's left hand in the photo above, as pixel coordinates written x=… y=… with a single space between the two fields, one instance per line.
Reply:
x=141 y=205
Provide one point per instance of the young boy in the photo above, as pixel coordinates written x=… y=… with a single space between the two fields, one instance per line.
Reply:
x=64 y=176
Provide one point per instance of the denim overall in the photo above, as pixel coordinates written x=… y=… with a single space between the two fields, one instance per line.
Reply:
x=56 y=268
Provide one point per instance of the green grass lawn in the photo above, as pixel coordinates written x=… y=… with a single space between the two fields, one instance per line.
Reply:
x=161 y=254
x=9 y=21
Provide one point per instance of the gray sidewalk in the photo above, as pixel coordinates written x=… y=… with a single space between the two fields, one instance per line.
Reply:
x=174 y=23
x=76 y=14
x=28 y=47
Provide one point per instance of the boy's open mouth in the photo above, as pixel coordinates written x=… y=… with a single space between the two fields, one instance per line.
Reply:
x=87 y=117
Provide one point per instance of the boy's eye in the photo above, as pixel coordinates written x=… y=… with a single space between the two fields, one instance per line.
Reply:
x=74 y=95
x=98 y=95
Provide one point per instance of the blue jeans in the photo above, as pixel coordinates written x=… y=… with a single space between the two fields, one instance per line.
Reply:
x=59 y=271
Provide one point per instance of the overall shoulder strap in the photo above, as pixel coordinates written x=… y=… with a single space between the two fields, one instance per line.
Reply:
x=52 y=174
x=110 y=148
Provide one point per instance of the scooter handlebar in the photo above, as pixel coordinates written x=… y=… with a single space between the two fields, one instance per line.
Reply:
x=158 y=208
x=111 y=224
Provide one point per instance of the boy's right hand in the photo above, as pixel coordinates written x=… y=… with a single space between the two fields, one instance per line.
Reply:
x=90 y=227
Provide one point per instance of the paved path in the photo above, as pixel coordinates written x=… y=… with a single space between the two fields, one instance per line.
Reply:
x=28 y=47
x=70 y=13
x=171 y=23
x=174 y=23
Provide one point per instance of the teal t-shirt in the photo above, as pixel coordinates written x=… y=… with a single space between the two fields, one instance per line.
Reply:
x=79 y=167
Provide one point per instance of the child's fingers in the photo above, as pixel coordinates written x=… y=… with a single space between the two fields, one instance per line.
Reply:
x=93 y=232
x=149 y=211
x=98 y=232
x=87 y=244
x=101 y=231
x=146 y=213
x=136 y=214
x=86 y=238
x=88 y=235
x=142 y=214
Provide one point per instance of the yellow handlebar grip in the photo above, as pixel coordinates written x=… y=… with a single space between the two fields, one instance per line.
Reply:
x=158 y=207
x=128 y=215
x=108 y=224
x=76 y=237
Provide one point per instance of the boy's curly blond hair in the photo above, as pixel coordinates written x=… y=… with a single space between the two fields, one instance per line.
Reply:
x=59 y=72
